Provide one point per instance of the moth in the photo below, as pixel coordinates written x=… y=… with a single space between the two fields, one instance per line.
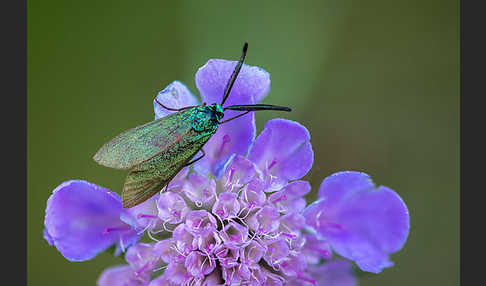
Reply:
x=156 y=151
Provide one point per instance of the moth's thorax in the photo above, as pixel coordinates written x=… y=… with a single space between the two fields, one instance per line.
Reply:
x=218 y=110
x=206 y=117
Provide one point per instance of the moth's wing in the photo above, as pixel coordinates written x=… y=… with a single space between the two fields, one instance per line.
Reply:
x=141 y=143
x=139 y=187
x=151 y=176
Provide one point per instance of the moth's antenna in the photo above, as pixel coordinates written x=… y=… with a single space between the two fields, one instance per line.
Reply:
x=231 y=81
x=253 y=107
x=257 y=107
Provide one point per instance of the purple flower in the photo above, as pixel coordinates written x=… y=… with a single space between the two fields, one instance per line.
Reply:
x=121 y=275
x=171 y=207
x=239 y=173
x=316 y=248
x=332 y=273
x=143 y=257
x=234 y=233
x=227 y=205
x=252 y=253
x=282 y=152
x=238 y=216
x=184 y=239
x=200 y=222
x=362 y=222
x=143 y=216
x=199 y=265
x=264 y=221
x=290 y=199
x=199 y=189
x=83 y=219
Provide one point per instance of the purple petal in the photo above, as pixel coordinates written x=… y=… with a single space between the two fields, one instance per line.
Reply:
x=231 y=275
x=252 y=195
x=234 y=233
x=265 y=220
x=162 y=280
x=244 y=272
x=339 y=185
x=277 y=251
x=83 y=219
x=252 y=253
x=175 y=95
x=226 y=206
x=289 y=199
x=293 y=265
x=200 y=222
x=214 y=279
x=361 y=222
x=227 y=255
x=251 y=85
x=171 y=207
x=143 y=216
x=199 y=189
x=272 y=279
x=283 y=149
x=291 y=224
x=198 y=264
x=141 y=259
x=257 y=277
x=316 y=249
x=165 y=250
x=176 y=273
x=207 y=242
x=121 y=275
x=177 y=182
x=239 y=173
x=48 y=237
x=333 y=273
x=183 y=239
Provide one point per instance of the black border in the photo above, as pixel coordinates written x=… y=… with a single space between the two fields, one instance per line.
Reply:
x=472 y=82
x=13 y=23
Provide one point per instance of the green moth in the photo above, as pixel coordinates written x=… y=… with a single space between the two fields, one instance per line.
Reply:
x=156 y=151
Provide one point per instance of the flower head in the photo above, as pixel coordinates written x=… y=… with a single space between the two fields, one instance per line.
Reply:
x=238 y=216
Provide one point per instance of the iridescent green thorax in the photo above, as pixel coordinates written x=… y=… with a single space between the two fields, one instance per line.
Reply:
x=206 y=118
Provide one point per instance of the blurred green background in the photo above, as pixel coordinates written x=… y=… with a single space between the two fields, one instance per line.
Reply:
x=376 y=82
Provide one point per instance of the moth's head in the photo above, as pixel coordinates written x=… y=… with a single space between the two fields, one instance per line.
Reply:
x=217 y=110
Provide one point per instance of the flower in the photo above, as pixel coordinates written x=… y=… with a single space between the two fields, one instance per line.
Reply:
x=238 y=216
x=83 y=219
x=361 y=222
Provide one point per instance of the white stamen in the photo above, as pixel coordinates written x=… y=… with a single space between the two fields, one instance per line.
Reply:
x=157 y=269
x=149 y=233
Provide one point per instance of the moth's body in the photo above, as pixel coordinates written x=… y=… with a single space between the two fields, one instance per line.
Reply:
x=158 y=150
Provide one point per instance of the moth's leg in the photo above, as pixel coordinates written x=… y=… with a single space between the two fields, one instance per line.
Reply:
x=197 y=159
x=171 y=109
x=237 y=116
